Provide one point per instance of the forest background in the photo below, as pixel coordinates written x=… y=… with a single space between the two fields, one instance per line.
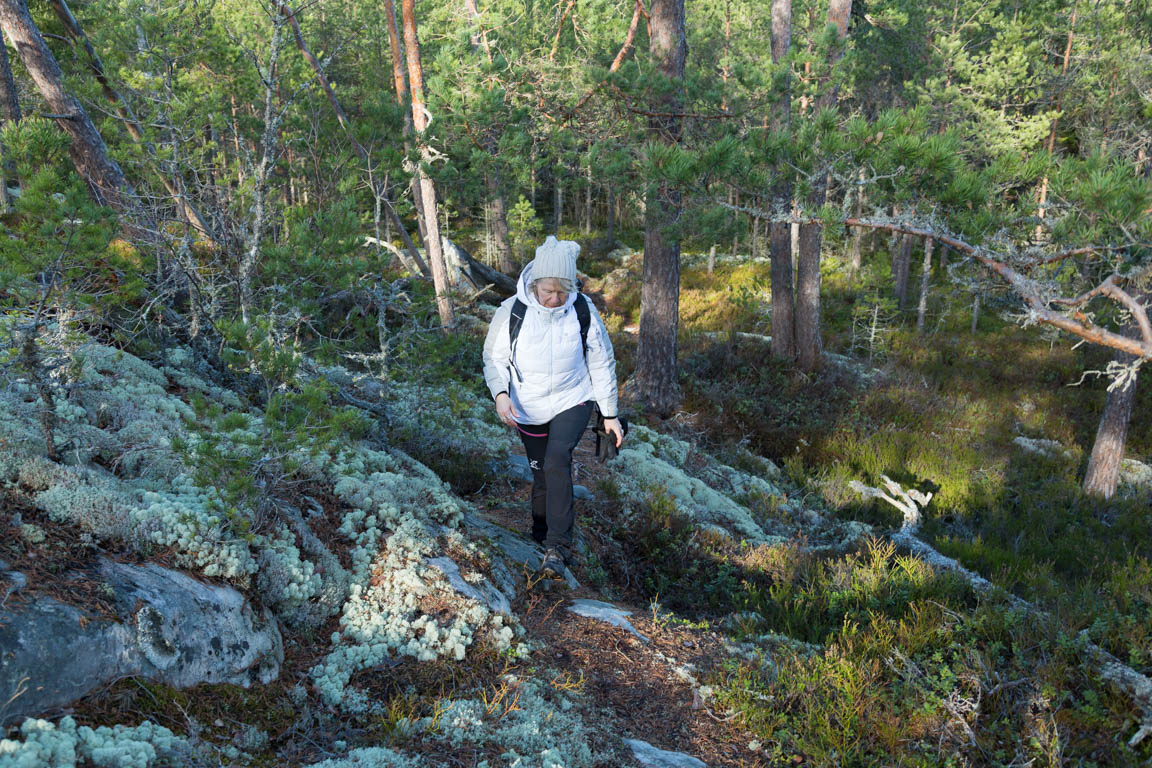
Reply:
x=258 y=177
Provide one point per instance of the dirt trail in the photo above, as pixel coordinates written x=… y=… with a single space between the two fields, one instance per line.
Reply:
x=635 y=684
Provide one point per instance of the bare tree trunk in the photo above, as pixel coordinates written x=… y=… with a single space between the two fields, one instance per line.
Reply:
x=557 y=199
x=712 y=259
x=809 y=346
x=400 y=82
x=922 y=310
x=901 y=266
x=854 y=249
x=780 y=232
x=500 y=235
x=379 y=190
x=610 y=229
x=657 y=371
x=588 y=200
x=174 y=186
x=808 y=343
x=250 y=258
x=87 y=150
x=975 y=312
x=1108 y=450
x=1051 y=144
x=9 y=113
x=427 y=190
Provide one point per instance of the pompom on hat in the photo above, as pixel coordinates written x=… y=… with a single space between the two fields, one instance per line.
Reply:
x=556 y=258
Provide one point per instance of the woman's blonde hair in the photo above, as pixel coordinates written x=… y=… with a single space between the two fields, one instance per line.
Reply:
x=566 y=285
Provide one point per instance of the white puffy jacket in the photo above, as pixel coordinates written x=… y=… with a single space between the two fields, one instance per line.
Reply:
x=546 y=374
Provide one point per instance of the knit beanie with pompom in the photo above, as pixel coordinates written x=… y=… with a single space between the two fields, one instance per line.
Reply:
x=556 y=258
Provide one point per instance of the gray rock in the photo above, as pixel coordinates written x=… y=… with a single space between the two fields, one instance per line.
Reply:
x=651 y=757
x=518 y=469
x=172 y=629
x=580 y=492
x=606 y=612
x=519 y=552
x=484 y=592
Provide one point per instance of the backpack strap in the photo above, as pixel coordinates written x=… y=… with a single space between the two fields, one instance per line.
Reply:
x=514 y=322
x=519 y=308
x=584 y=315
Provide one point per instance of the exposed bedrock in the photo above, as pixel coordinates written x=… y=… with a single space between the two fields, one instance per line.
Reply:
x=171 y=629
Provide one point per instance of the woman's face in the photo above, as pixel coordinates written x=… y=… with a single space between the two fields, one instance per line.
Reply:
x=550 y=293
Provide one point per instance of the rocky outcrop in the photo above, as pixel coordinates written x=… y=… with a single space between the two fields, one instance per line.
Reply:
x=171 y=628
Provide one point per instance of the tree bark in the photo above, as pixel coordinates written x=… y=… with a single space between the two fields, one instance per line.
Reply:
x=1108 y=450
x=808 y=343
x=174 y=186
x=658 y=387
x=500 y=235
x=780 y=232
x=427 y=190
x=922 y=310
x=9 y=113
x=400 y=82
x=610 y=228
x=901 y=266
x=783 y=300
x=557 y=200
x=250 y=258
x=89 y=154
x=379 y=190
x=855 y=256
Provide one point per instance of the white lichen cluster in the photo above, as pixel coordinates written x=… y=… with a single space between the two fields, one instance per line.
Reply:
x=47 y=745
x=374 y=757
x=181 y=517
x=133 y=419
x=692 y=480
x=441 y=419
x=543 y=730
x=92 y=498
x=398 y=507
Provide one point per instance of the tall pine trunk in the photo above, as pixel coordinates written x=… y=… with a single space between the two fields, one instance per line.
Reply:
x=901 y=267
x=780 y=232
x=86 y=148
x=1108 y=451
x=400 y=82
x=9 y=113
x=925 y=278
x=501 y=238
x=427 y=190
x=1111 y=435
x=656 y=374
x=808 y=341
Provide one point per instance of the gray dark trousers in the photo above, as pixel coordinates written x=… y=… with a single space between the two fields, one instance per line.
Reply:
x=549 y=448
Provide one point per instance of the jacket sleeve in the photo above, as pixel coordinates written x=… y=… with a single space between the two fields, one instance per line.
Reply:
x=602 y=365
x=497 y=352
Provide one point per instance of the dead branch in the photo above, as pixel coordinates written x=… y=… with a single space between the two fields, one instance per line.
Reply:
x=910 y=502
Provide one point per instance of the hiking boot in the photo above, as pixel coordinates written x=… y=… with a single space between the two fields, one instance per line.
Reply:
x=552 y=565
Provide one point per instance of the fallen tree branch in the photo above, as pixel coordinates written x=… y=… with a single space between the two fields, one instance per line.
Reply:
x=1024 y=287
x=1107 y=666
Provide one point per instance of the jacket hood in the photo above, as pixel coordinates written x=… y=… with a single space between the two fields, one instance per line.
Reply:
x=529 y=298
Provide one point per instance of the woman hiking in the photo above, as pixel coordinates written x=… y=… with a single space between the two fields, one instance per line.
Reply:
x=546 y=358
